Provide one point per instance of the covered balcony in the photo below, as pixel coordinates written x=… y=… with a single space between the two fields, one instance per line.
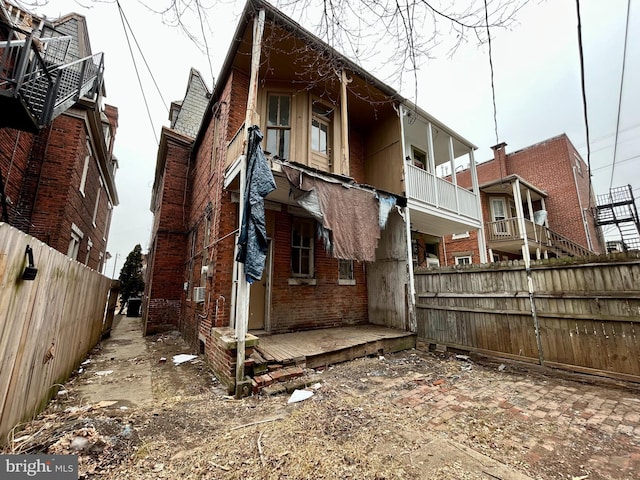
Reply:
x=433 y=153
x=519 y=220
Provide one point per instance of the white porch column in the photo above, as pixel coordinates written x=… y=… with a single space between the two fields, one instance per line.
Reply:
x=482 y=240
x=521 y=224
x=453 y=172
x=432 y=164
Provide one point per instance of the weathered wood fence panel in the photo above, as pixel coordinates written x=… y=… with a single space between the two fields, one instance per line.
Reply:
x=47 y=325
x=587 y=310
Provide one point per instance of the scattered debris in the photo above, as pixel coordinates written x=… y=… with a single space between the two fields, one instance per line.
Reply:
x=86 y=362
x=502 y=367
x=162 y=360
x=182 y=358
x=299 y=396
x=103 y=373
x=465 y=358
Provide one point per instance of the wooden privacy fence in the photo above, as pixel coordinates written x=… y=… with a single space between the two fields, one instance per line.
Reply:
x=47 y=325
x=580 y=314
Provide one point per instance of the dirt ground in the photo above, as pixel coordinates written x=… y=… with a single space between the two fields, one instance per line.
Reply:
x=387 y=417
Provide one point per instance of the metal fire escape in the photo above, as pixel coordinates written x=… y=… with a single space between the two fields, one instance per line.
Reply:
x=38 y=80
x=618 y=208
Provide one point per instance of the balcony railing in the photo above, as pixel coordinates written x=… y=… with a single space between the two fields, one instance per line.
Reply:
x=437 y=192
x=509 y=230
x=235 y=147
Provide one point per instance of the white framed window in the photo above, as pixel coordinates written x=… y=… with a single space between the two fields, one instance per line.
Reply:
x=578 y=164
x=278 y=125
x=463 y=260
x=89 y=245
x=74 y=243
x=457 y=236
x=499 y=216
x=419 y=158
x=346 y=274
x=302 y=248
x=85 y=168
x=95 y=207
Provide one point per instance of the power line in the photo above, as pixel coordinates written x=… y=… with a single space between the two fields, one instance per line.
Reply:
x=206 y=44
x=153 y=78
x=610 y=164
x=584 y=96
x=135 y=66
x=493 y=90
x=624 y=61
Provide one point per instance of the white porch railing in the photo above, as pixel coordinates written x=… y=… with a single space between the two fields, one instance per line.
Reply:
x=425 y=187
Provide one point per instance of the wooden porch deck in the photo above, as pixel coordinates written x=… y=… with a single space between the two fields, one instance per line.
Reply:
x=326 y=346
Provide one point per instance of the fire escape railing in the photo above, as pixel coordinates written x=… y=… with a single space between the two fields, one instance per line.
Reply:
x=35 y=71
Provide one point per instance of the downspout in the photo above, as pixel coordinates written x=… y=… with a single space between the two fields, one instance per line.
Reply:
x=527 y=265
x=411 y=293
x=242 y=292
x=584 y=220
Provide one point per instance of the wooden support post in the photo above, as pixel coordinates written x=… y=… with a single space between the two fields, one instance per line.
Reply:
x=344 y=123
x=243 y=287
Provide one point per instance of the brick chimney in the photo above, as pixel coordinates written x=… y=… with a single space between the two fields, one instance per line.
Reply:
x=500 y=157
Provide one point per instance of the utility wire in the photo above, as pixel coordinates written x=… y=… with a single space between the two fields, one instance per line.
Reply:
x=206 y=44
x=584 y=97
x=493 y=89
x=135 y=66
x=153 y=78
x=624 y=61
x=621 y=161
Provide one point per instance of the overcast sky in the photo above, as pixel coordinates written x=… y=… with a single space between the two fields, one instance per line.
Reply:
x=537 y=81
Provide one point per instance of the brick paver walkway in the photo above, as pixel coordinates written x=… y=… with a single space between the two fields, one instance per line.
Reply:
x=577 y=430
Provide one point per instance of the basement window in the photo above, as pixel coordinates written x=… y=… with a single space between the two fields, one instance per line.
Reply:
x=463 y=260
x=345 y=273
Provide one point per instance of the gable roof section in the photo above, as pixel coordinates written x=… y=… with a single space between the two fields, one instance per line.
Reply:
x=192 y=107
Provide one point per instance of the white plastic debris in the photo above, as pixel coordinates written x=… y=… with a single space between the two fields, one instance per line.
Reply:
x=502 y=367
x=183 y=357
x=299 y=396
x=465 y=358
x=86 y=362
x=103 y=373
x=62 y=392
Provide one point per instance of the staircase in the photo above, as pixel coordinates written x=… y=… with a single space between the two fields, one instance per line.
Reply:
x=618 y=208
x=38 y=81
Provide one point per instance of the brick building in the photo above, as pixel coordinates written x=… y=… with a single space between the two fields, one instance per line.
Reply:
x=543 y=190
x=57 y=167
x=333 y=131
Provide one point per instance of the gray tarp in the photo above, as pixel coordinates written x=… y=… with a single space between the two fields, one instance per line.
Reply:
x=252 y=243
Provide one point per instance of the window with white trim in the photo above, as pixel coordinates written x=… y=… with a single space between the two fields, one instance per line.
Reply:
x=74 y=243
x=463 y=260
x=89 y=245
x=278 y=125
x=457 y=236
x=419 y=158
x=302 y=248
x=95 y=207
x=85 y=168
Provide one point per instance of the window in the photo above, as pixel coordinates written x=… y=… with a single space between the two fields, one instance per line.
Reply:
x=89 y=245
x=85 y=168
x=320 y=129
x=578 y=163
x=463 y=260
x=345 y=272
x=74 y=243
x=419 y=158
x=302 y=248
x=499 y=216
x=457 y=236
x=95 y=207
x=279 y=125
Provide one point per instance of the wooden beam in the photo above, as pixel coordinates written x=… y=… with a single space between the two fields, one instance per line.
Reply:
x=344 y=123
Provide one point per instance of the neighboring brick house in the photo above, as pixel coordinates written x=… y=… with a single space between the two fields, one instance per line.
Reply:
x=58 y=176
x=335 y=126
x=543 y=190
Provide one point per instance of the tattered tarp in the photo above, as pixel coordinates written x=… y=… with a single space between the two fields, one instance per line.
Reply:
x=350 y=217
x=252 y=243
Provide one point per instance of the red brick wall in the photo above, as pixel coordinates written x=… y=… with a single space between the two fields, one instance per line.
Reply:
x=15 y=148
x=549 y=166
x=164 y=287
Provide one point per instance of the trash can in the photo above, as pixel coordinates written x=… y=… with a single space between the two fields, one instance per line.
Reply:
x=133 y=307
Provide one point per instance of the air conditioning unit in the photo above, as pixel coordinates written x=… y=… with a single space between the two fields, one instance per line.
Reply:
x=199 y=293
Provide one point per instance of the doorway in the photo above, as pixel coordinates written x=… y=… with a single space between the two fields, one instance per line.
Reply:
x=259 y=296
